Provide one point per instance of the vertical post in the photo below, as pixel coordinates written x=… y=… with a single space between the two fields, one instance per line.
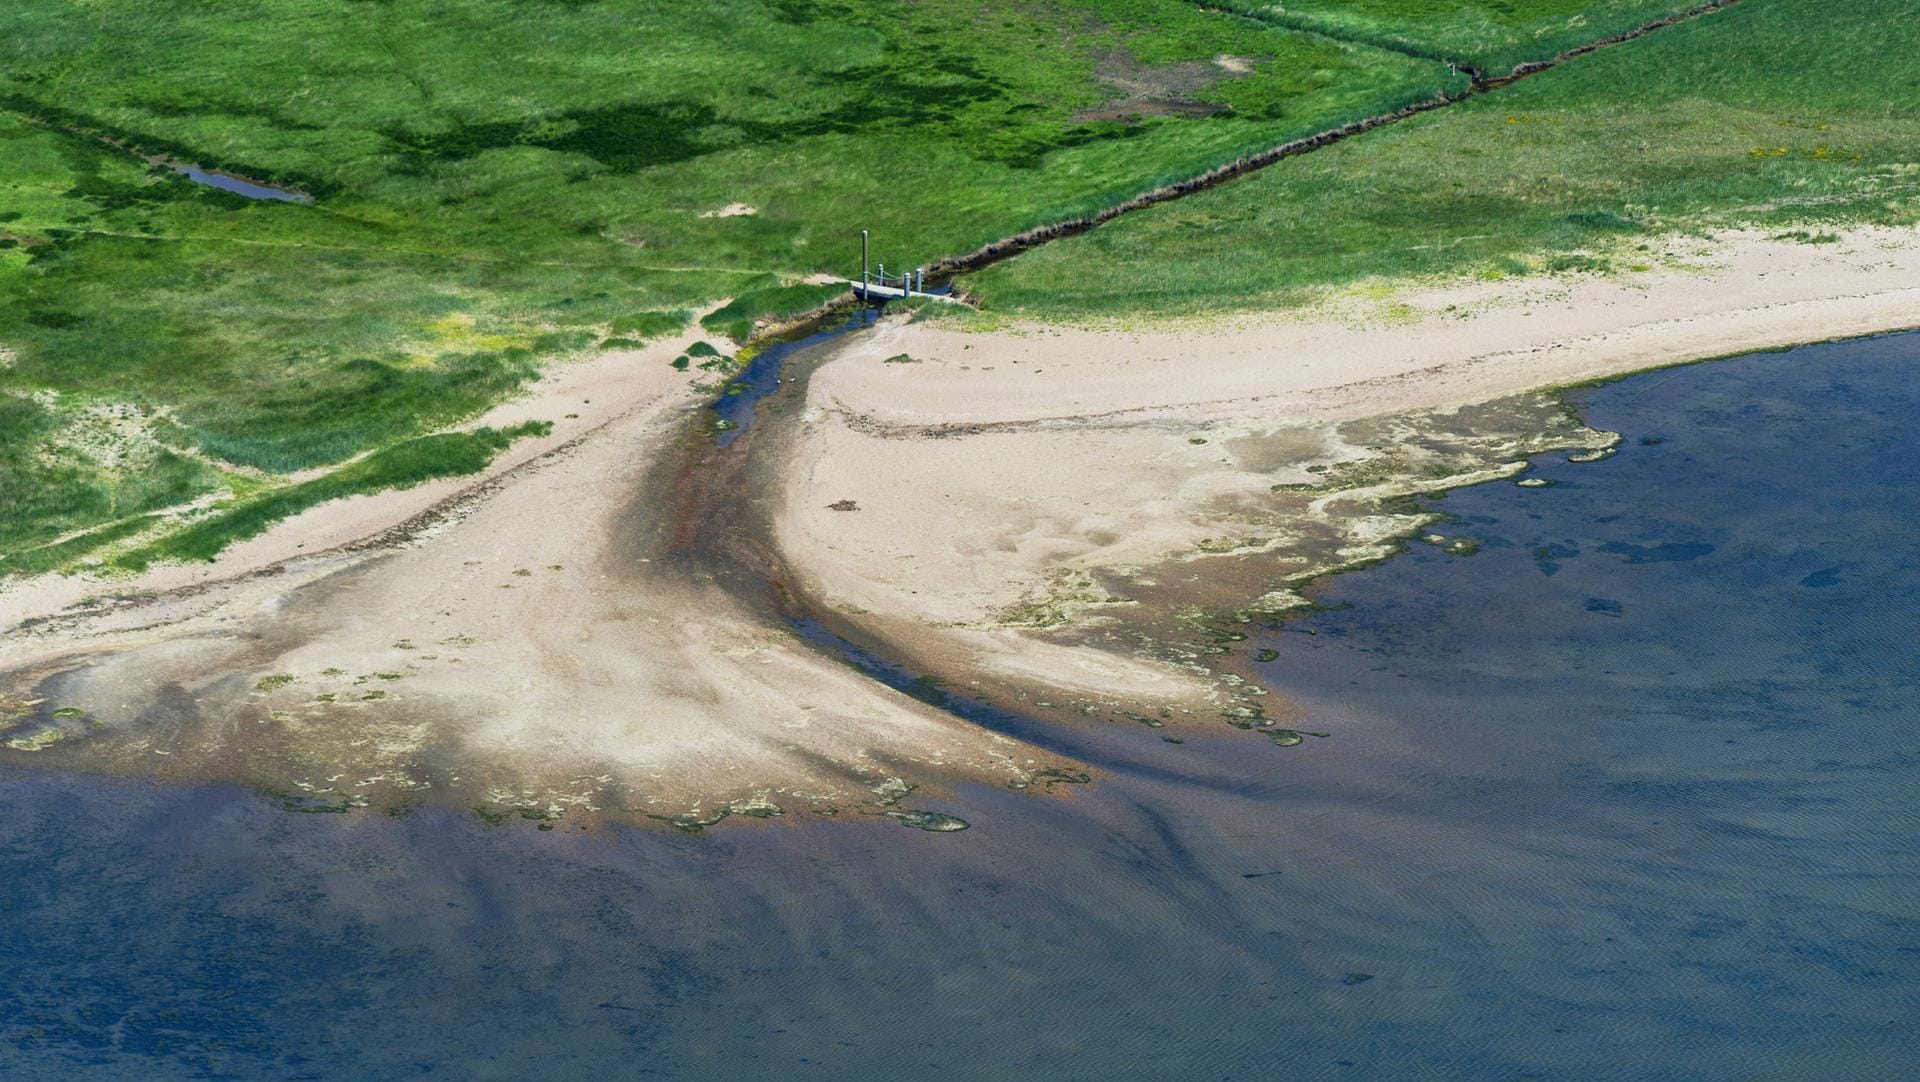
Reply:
x=882 y=275
x=863 y=267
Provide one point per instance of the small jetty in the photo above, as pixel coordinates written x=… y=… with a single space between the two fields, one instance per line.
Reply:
x=877 y=291
x=875 y=284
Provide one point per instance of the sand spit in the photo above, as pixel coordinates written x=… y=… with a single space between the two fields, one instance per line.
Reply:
x=537 y=648
x=1075 y=520
x=1084 y=518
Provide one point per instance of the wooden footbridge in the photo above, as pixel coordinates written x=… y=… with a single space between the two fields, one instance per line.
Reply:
x=878 y=285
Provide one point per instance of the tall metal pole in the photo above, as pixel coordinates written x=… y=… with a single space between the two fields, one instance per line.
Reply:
x=863 y=266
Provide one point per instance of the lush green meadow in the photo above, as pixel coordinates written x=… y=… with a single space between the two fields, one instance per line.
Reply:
x=1492 y=36
x=1777 y=114
x=499 y=184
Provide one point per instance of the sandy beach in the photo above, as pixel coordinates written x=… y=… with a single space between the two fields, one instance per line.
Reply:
x=1044 y=507
x=1057 y=518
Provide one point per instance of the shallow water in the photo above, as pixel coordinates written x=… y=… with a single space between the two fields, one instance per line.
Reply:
x=1627 y=795
x=239 y=186
x=738 y=406
x=736 y=409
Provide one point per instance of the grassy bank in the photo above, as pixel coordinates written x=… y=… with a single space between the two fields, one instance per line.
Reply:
x=143 y=538
x=1492 y=36
x=1786 y=115
x=403 y=465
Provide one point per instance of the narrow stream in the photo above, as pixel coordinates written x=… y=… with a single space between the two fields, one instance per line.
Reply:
x=738 y=405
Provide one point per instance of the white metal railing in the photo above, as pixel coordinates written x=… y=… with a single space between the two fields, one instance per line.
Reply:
x=913 y=281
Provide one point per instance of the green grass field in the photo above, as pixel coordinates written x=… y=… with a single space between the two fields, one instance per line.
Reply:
x=1492 y=36
x=1777 y=114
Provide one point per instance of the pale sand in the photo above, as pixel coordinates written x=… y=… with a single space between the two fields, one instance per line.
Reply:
x=1022 y=476
x=522 y=654
x=1008 y=479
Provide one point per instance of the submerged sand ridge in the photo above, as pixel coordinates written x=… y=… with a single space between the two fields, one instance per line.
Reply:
x=1073 y=522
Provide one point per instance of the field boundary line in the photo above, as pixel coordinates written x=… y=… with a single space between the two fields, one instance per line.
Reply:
x=1007 y=247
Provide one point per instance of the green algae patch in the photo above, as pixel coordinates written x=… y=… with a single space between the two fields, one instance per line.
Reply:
x=934 y=822
x=1214 y=546
x=39 y=741
x=692 y=822
x=890 y=791
x=1050 y=777
x=309 y=804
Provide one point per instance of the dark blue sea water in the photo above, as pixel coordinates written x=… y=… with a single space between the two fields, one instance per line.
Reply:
x=1630 y=794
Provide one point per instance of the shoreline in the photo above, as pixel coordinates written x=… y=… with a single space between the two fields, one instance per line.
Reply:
x=1073 y=517
x=1053 y=520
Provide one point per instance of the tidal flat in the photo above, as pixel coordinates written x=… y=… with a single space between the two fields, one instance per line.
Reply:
x=1623 y=796
x=1079 y=526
